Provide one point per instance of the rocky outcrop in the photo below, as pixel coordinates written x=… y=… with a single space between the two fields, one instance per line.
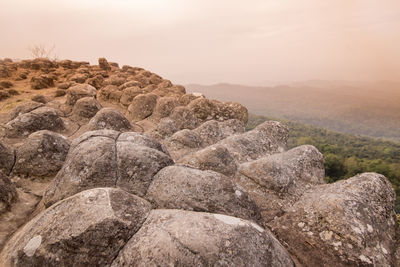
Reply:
x=7 y=158
x=86 y=229
x=102 y=159
x=184 y=238
x=179 y=187
x=8 y=194
x=350 y=223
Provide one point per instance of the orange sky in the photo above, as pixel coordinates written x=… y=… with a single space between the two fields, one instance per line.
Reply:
x=209 y=41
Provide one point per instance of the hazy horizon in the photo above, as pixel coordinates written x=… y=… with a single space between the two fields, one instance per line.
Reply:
x=207 y=42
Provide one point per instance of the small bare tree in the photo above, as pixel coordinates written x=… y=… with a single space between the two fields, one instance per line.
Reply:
x=41 y=51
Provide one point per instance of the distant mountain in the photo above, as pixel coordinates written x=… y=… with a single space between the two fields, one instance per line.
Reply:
x=362 y=108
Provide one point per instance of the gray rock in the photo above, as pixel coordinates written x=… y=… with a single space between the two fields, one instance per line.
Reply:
x=107 y=91
x=42 y=154
x=110 y=118
x=79 y=91
x=8 y=194
x=43 y=118
x=351 y=223
x=86 y=108
x=184 y=238
x=6 y=158
x=142 y=106
x=180 y=187
x=24 y=108
x=266 y=139
x=216 y=158
x=102 y=159
x=87 y=229
x=277 y=181
x=164 y=107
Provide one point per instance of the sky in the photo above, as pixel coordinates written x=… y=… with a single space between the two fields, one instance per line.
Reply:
x=253 y=42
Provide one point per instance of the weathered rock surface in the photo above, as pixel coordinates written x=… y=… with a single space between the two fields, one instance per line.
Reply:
x=43 y=118
x=42 y=154
x=110 y=118
x=24 y=108
x=79 y=91
x=8 y=194
x=142 y=106
x=6 y=158
x=42 y=81
x=86 y=108
x=101 y=159
x=87 y=229
x=184 y=238
x=350 y=223
x=179 y=187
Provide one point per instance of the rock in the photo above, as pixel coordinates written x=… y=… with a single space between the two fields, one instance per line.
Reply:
x=130 y=84
x=105 y=92
x=180 y=187
x=4 y=72
x=4 y=95
x=277 y=181
x=96 y=159
x=185 y=238
x=59 y=93
x=87 y=229
x=184 y=118
x=6 y=158
x=164 y=107
x=96 y=81
x=6 y=84
x=142 y=106
x=86 y=107
x=79 y=91
x=42 y=154
x=12 y=92
x=266 y=139
x=42 y=81
x=110 y=118
x=351 y=222
x=103 y=64
x=64 y=86
x=128 y=94
x=8 y=193
x=116 y=80
x=231 y=110
x=39 y=98
x=216 y=158
x=79 y=77
x=203 y=108
x=66 y=64
x=25 y=108
x=42 y=118
x=183 y=142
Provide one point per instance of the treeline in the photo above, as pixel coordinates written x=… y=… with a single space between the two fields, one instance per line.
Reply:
x=345 y=155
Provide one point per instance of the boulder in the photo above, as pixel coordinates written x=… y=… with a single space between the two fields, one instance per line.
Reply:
x=87 y=229
x=43 y=118
x=4 y=95
x=6 y=84
x=79 y=77
x=100 y=159
x=96 y=81
x=79 y=91
x=164 y=107
x=86 y=107
x=6 y=158
x=41 y=82
x=351 y=223
x=277 y=181
x=142 y=106
x=24 y=108
x=39 y=98
x=185 y=238
x=42 y=154
x=105 y=92
x=184 y=118
x=103 y=64
x=128 y=94
x=8 y=193
x=215 y=157
x=180 y=187
x=110 y=118
x=266 y=139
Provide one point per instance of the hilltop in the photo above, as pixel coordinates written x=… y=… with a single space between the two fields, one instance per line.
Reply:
x=102 y=165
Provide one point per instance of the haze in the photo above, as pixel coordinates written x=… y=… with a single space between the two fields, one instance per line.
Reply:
x=255 y=42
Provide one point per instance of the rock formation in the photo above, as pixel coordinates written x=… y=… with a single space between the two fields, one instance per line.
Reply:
x=120 y=167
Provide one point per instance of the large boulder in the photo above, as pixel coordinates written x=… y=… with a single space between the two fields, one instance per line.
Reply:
x=42 y=154
x=277 y=181
x=79 y=91
x=351 y=223
x=86 y=108
x=110 y=118
x=180 y=187
x=164 y=107
x=87 y=229
x=8 y=193
x=42 y=118
x=25 y=108
x=142 y=106
x=7 y=158
x=129 y=93
x=215 y=157
x=185 y=238
x=266 y=139
x=108 y=158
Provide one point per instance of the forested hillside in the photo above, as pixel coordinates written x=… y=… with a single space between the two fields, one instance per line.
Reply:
x=345 y=155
